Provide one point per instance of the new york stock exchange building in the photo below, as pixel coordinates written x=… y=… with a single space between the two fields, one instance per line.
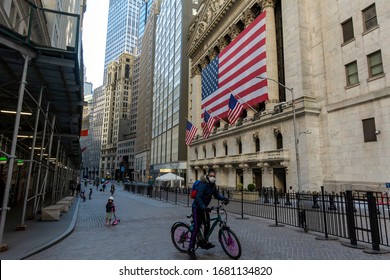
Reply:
x=308 y=83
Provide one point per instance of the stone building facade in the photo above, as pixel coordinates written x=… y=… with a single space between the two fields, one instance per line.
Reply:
x=328 y=96
x=117 y=109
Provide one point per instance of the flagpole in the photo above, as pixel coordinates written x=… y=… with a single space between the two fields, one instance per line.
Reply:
x=217 y=117
x=242 y=100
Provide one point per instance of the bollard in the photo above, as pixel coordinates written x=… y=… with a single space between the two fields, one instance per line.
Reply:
x=331 y=207
x=288 y=202
x=374 y=225
x=266 y=200
x=276 y=197
x=315 y=201
x=351 y=222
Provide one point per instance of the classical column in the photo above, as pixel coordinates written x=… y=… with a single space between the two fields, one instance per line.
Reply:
x=233 y=31
x=248 y=17
x=222 y=43
x=272 y=60
x=195 y=96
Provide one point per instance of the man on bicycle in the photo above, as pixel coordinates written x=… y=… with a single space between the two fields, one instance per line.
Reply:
x=201 y=211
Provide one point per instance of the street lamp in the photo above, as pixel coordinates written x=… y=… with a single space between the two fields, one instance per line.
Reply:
x=296 y=137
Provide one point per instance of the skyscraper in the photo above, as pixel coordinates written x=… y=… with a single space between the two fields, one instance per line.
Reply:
x=171 y=86
x=143 y=88
x=122 y=28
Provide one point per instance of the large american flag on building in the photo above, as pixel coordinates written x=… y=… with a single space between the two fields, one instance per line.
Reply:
x=235 y=70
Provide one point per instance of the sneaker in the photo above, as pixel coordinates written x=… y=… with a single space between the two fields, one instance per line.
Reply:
x=209 y=245
x=202 y=244
x=191 y=254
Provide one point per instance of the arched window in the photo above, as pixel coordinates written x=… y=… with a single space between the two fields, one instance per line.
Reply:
x=239 y=147
x=226 y=148
x=214 y=150
x=257 y=144
x=279 y=141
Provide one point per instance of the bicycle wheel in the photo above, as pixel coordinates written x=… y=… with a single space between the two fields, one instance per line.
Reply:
x=230 y=243
x=181 y=235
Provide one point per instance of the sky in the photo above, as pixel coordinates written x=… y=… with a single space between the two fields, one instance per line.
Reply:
x=94 y=40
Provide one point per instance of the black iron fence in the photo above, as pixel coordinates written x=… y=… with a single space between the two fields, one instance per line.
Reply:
x=360 y=216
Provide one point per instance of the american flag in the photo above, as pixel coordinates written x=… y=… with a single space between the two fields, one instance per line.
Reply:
x=235 y=69
x=208 y=124
x=235 y=109
x=190 y=132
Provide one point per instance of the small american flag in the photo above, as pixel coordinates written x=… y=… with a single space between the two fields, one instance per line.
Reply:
x=236 y=68
x=208 y=124
x=190 y=132
x=235 y=109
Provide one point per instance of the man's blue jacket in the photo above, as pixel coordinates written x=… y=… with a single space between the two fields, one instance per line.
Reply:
x=206 y=191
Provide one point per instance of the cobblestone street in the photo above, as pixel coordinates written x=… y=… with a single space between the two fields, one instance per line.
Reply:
x=144 y=234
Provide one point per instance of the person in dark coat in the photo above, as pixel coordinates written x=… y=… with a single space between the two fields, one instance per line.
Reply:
x=200 y=210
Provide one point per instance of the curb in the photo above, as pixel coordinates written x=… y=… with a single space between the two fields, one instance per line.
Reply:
x=57 y=239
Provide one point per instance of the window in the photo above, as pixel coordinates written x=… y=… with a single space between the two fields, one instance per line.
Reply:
x=351 y=72
x=369 y=18
x=279 y=141
x=240 y=147
x=347 y=30
x=257 y=144
x=369 y=130
x=375 y=65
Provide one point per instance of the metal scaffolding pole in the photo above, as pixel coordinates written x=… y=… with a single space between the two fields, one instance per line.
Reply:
x=31 y=163
x=48 y=160
x=40 y=160
x=4 y=208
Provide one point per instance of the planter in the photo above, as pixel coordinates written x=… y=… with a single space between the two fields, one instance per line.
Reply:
x=248 y=196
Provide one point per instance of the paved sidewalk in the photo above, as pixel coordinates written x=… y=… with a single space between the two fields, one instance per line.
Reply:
x=38 y=235
x=144 y=234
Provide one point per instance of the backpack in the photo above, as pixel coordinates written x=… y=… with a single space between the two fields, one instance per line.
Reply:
x=194 y=189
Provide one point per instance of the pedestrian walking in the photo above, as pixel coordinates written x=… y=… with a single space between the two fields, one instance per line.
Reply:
x=78 y=189
x=90 y=193
x=110 y=209
x=112 y=189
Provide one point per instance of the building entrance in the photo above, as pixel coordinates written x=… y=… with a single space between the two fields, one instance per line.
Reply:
x=280 y=179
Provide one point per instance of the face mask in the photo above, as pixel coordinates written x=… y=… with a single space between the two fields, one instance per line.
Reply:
x=212 y=180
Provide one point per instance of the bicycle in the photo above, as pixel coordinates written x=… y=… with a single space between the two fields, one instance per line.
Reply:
x=181 y=234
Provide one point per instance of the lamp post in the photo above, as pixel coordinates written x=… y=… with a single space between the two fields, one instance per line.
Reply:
x=296 y=140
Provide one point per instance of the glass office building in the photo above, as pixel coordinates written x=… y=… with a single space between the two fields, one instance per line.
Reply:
x=169 y=151
x=122 y=28
x=143 y=16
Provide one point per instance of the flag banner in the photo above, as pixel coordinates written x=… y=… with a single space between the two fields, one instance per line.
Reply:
x=235 y=70
x=190 y=133
x=84 y=132
x=235 y=109
x=208 y=124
